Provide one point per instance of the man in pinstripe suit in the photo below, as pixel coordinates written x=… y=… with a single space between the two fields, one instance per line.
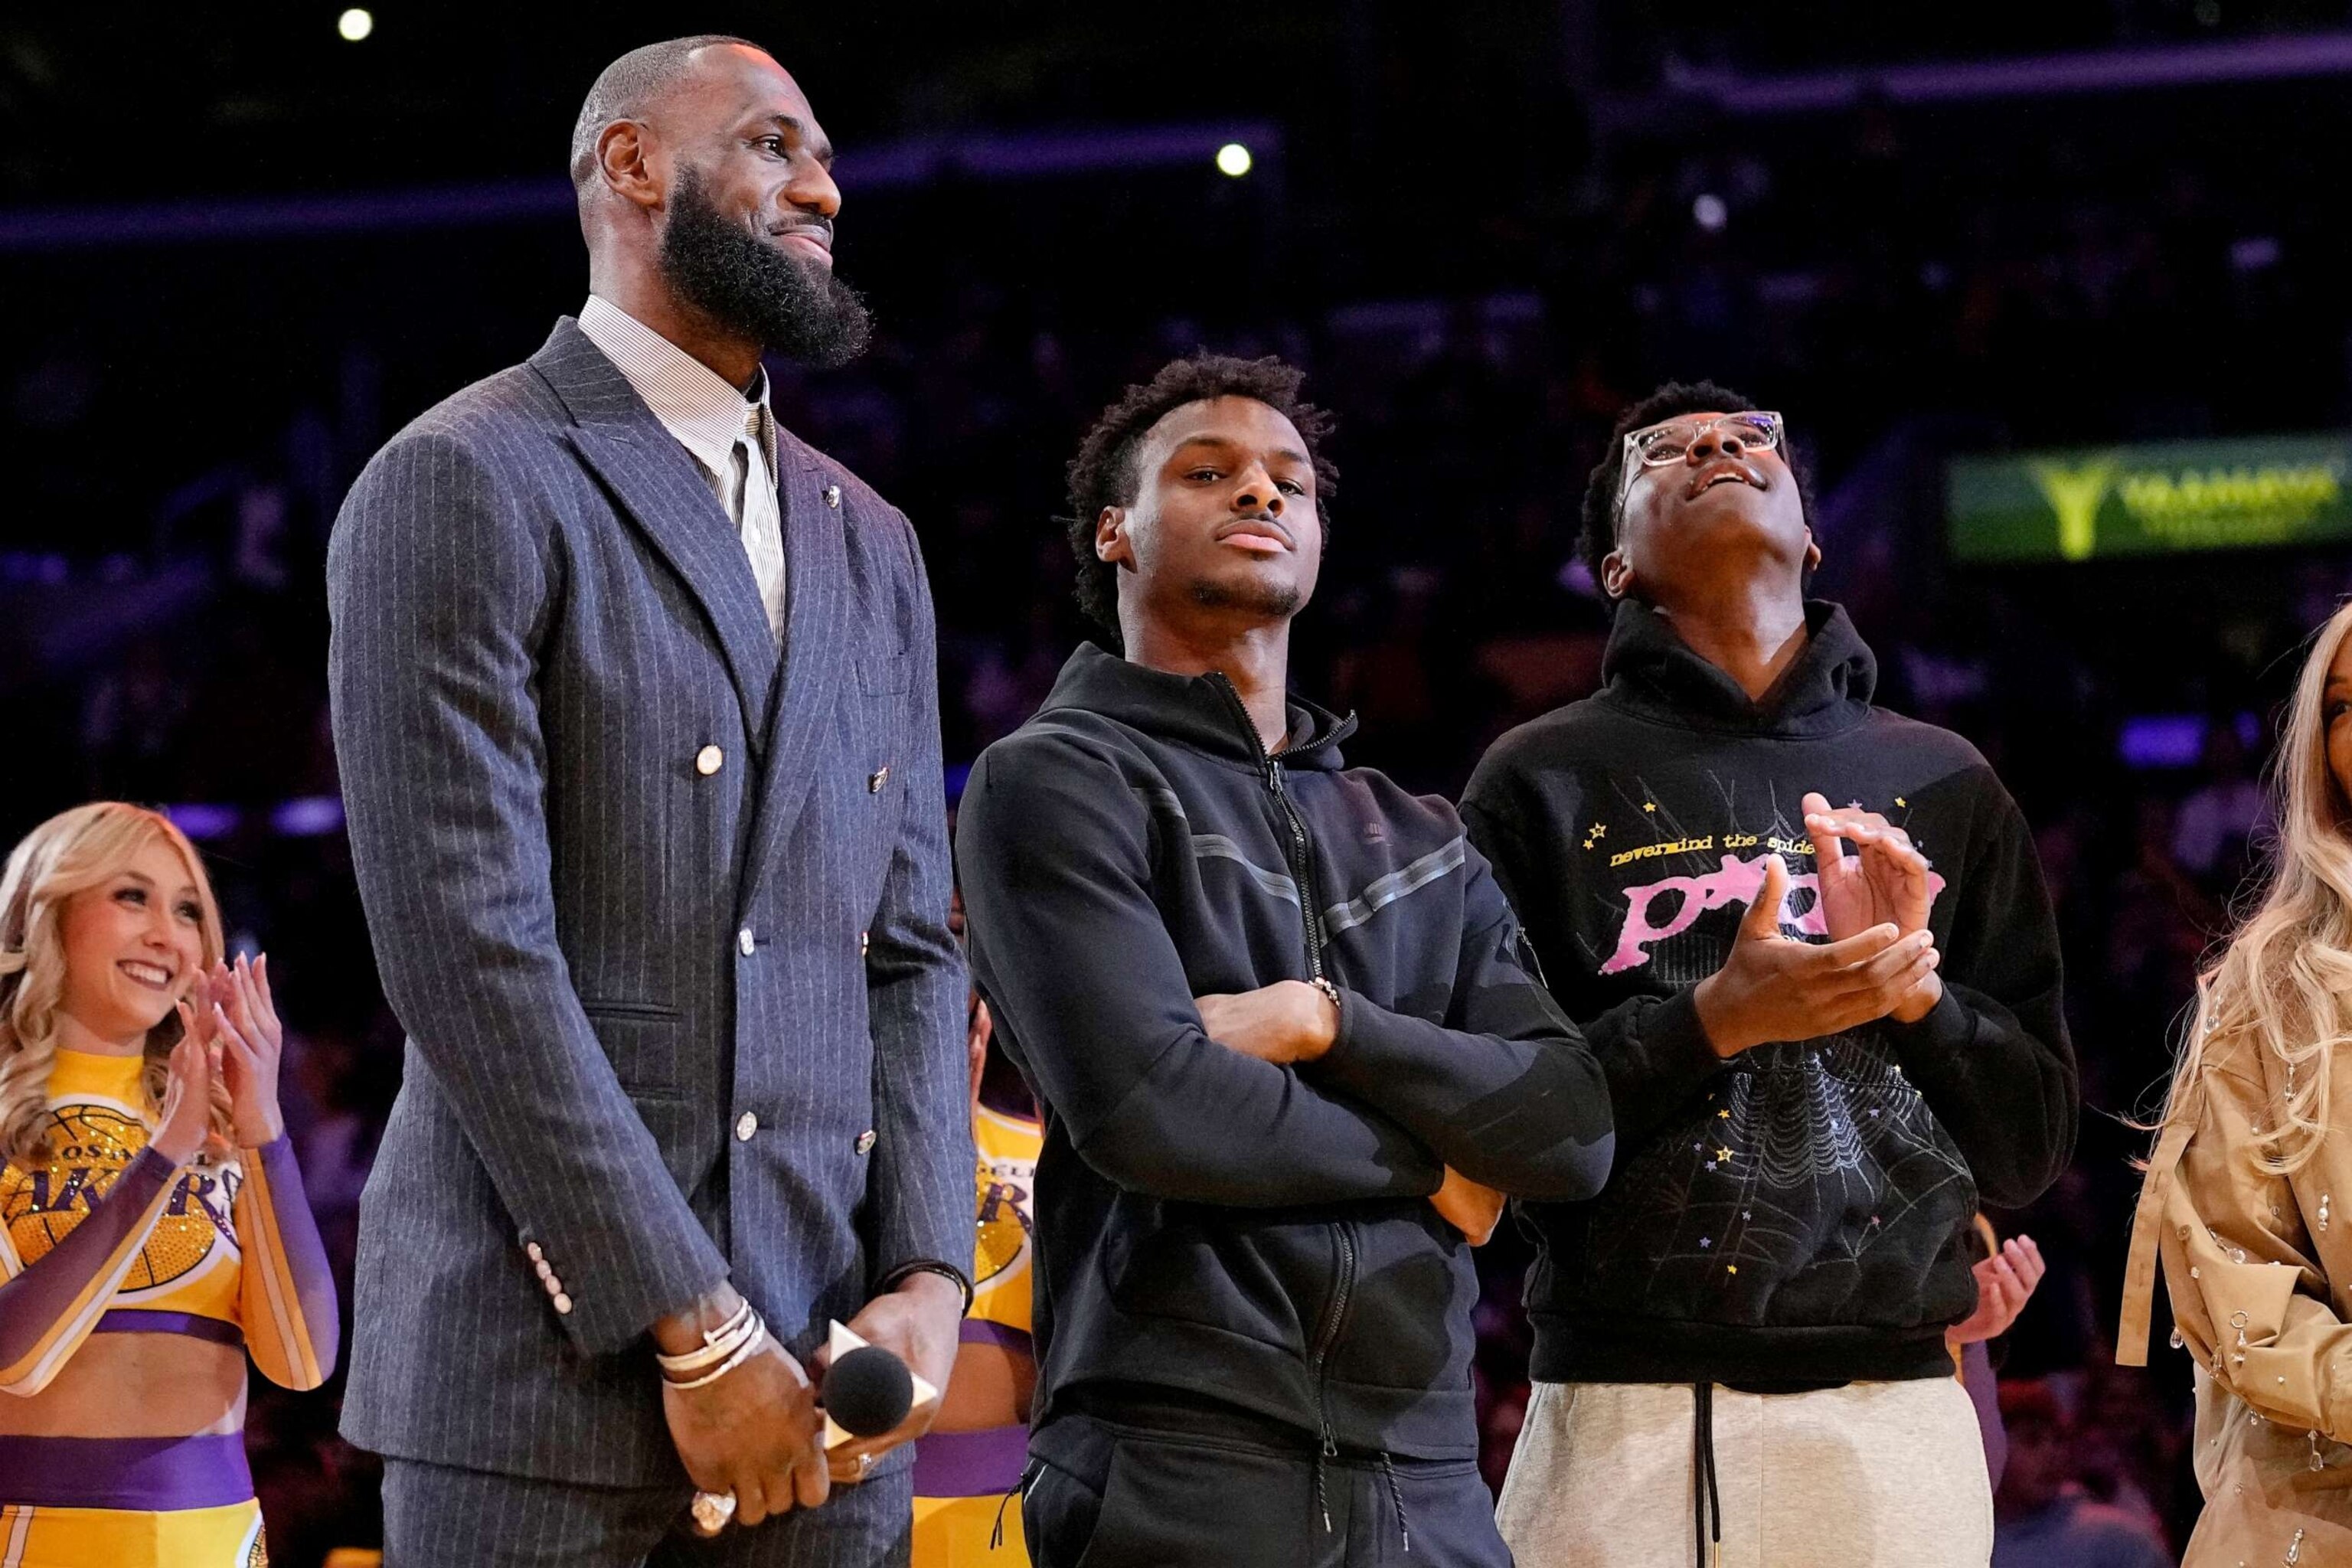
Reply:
x=635 y=705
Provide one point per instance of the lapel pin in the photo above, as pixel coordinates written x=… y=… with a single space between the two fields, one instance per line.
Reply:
x=833 y=497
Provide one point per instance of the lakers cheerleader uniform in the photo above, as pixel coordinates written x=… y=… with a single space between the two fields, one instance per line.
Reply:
x=108 y=1237
x=963 y=1479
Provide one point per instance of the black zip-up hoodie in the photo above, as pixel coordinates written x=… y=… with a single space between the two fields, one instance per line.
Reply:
x=1791 y=1218
x=1209 y=1225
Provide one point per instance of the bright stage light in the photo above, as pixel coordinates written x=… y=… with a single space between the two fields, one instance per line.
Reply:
x=1233 y=158
x=355 y=24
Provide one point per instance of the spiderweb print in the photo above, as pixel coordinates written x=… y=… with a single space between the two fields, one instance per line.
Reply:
x=1801 y=1188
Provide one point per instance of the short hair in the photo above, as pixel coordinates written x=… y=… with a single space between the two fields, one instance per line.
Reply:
x=626 y=87
x=1599 y=536
x=1105 y=473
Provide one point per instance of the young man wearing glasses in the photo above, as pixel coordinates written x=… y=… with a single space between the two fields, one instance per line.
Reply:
x=1809 y=942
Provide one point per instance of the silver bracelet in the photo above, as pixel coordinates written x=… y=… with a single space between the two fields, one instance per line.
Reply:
x=750 y=1348
x=718 y=1344
x=711 y=1352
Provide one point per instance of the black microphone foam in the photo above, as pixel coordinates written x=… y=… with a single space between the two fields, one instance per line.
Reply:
x=868 y=1391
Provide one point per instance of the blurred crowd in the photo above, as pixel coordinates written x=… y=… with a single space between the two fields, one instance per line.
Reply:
x=1900 y=284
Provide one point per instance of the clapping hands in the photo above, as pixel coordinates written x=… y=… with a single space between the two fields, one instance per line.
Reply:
x=231 y=1017
x=1885 y=883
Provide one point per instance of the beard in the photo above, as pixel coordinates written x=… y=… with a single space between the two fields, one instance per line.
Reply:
x=748 y=287
x=1275 y=601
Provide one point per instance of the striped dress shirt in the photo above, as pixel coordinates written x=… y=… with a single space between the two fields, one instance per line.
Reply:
x=731 y=434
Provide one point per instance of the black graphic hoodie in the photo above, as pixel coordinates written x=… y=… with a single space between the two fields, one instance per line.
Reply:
x=1210 y=1228
x=1791 y=1218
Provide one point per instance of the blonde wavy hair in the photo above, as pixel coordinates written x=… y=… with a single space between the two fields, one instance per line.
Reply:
x=2279 y=982
x=71 y=853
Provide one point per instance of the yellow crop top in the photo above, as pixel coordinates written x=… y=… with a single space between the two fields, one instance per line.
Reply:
x=206 y=1250
x=190 y=1261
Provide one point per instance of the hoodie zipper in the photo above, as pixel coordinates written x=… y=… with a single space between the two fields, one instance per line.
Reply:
x=1299 y=852
x=1334 y=1315
x=1301 y=857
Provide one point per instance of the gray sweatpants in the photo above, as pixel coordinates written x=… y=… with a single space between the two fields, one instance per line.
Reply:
x=1869 y=1473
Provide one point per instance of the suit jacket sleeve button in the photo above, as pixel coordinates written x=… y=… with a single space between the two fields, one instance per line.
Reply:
x=866 y=1142
x=531 y=1250
x=709 y=760
x=745 y=1125
x=562 y=1304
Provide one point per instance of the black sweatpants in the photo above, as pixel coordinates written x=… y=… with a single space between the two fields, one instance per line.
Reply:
x=1104 y=1495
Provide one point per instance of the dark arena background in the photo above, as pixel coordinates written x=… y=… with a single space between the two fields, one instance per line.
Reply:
x=1973 y=254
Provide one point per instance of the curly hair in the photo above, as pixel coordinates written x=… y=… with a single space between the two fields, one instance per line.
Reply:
x=70 y=852
x=1599 y=536
x=1105 y=474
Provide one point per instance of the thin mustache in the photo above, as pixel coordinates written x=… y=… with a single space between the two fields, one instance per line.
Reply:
x=1708 y=475
x=1280 y=528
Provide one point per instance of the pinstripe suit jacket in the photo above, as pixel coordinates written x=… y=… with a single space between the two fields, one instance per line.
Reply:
x=648 y=1034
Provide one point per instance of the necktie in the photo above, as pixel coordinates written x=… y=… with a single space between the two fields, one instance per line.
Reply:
x=759 y=519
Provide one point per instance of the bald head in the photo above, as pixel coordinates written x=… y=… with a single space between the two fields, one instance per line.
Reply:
x=707 y=199
x=630 y=88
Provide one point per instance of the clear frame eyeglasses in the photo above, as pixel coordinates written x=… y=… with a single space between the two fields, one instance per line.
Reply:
x=1657 y=445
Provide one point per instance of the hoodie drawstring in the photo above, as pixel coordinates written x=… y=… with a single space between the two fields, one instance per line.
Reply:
x=1396 y=1498
x=1704 y=1496
x=1020 y=1490
x=1396 y=1495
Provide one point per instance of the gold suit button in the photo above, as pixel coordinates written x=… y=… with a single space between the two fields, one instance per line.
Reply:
x=745 y=1125
x=709 y=760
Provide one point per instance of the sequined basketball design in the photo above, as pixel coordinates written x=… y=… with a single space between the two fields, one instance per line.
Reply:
x=88 y=1146
x=1003 y=1237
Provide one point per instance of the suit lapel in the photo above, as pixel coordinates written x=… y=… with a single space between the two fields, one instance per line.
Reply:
x=815 y=663
x=660 y=489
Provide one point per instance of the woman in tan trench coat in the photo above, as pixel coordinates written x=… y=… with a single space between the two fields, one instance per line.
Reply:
x=2241 y=1195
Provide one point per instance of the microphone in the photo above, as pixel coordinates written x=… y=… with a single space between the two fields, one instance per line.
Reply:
x=868 y=1391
